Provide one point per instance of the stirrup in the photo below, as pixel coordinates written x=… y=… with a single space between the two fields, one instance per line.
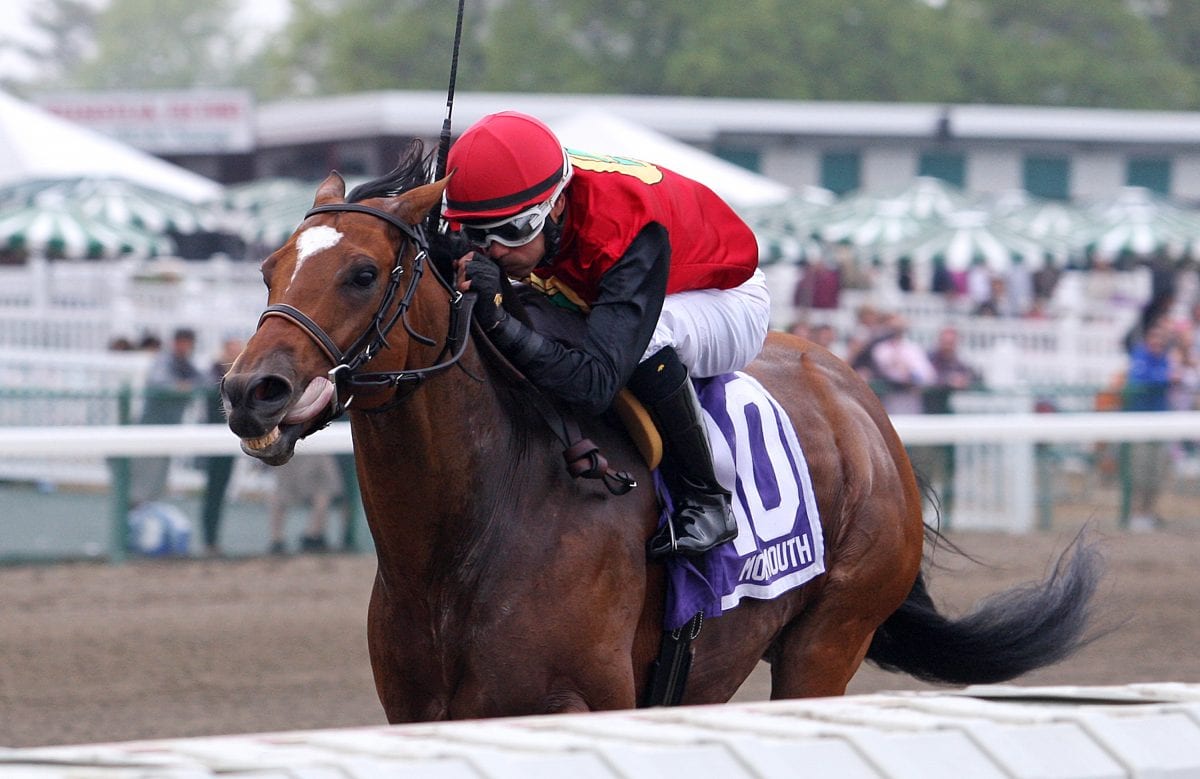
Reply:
x=666 y=540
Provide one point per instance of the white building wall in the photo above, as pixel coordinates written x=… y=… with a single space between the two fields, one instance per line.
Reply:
x=1096 y=174
x=888 y=168
x=993 y=170
x=791 y=164
x=1185 y=177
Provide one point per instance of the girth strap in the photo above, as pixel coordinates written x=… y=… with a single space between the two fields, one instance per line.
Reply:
x=669 y=673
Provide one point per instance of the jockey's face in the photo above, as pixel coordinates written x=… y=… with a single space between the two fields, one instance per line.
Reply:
x=519 y=261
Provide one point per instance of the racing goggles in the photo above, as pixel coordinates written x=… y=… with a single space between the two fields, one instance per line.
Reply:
x=516 y=230
x=523 y=226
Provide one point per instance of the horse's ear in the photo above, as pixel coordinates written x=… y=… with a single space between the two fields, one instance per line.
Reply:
x=416 y=203
x=332 y=190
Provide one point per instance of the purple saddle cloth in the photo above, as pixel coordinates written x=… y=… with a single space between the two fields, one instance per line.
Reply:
x=779 y=546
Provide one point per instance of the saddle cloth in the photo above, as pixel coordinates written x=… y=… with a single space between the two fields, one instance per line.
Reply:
x=779 y=546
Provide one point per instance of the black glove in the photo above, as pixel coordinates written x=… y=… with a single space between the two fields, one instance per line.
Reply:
x=484 y=275
x=448 y=247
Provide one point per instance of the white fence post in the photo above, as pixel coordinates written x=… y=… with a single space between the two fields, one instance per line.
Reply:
x=993 y=485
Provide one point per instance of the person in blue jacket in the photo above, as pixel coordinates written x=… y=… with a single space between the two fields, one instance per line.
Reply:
x=1147 y=383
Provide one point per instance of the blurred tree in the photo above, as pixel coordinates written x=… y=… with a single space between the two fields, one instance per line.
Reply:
x=1069 y=52
x=548 y=59
x=143 y=44
x=66 y=31
x=871 y=50
x=354 y=45
x=1178 y=24
x=1110 y=53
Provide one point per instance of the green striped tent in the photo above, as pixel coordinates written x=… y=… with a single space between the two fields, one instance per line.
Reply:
x=63 y=230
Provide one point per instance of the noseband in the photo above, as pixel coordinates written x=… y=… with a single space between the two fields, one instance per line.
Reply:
x=345 y=374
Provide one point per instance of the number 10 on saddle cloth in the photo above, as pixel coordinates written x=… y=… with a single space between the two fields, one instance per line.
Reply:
x=779 y=545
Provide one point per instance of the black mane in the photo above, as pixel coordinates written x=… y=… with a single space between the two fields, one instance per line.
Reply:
x=412 y=171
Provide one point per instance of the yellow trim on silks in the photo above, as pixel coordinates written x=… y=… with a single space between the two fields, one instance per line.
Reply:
x=559 y=293
x=640 y=427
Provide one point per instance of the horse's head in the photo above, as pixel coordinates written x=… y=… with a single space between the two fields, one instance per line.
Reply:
x=350 y=272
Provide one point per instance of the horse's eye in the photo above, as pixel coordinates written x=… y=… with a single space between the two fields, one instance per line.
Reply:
x=364 y=277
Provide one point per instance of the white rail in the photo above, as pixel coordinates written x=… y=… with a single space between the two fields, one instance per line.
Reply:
x=995 y=481
x=146 y=441
x=915 y=430
x=1082 y=732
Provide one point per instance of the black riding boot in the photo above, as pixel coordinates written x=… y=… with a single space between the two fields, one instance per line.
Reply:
x=702 y=517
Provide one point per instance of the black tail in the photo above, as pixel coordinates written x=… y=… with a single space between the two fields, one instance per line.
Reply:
x=1008 y=634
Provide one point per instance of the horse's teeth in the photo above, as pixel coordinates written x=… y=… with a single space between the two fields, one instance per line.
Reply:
x=263 y=442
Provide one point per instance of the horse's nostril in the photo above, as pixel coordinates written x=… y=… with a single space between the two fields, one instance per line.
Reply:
x=260 y=396
x=271 y=389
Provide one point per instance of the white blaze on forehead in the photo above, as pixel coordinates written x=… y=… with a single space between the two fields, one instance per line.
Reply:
x=313 y=240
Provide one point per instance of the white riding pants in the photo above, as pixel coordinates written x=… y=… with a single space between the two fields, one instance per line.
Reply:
x=715 y=331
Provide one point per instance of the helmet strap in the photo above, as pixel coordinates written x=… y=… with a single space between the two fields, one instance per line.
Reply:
x=552 y=231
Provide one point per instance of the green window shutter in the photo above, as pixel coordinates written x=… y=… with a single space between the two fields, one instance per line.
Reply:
x=1153 y=173
x=840 y=171
x=951 y=168
x=750 y=159
x=1048 y=177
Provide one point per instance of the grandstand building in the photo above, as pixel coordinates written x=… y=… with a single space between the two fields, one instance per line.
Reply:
x=1059 y=153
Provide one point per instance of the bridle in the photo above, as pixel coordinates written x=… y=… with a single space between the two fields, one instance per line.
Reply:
x=582 y=457
x=346 y=373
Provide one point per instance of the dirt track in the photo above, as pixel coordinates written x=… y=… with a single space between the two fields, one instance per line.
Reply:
x=94 y=653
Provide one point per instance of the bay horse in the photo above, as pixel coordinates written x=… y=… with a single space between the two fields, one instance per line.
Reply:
x=506 y=587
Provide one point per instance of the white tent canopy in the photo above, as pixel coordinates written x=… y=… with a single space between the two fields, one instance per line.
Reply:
x=37 y=144
x=603 y=133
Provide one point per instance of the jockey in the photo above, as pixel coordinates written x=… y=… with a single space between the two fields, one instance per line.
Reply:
x=665 y=271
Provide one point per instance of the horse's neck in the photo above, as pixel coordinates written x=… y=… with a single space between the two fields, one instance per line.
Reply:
x=441 y=472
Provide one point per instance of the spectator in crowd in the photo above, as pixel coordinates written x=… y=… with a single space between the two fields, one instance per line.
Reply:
x=1018 y=289
x=1185 y=364
x=868 y=326
x=942 y=282
x=1147 y=383
x=305 y=480
x=170 y=386
x=217 y=468
x=800 y=329
x=824 y=335
x=1156 y=311
x=819 y=286
x=149 y=342
x=899 y=368
x=999 y=301
x=1045 y=279
x=904 y=275
x=821 y=334
x=952 y=373
x=978 y=285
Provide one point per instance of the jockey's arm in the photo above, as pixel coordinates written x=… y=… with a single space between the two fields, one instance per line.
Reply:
x=619 y=327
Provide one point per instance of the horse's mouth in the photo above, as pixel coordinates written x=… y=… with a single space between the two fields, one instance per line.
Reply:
x=277 y=445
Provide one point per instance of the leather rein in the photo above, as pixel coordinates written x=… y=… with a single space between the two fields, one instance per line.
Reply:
x=346 y=374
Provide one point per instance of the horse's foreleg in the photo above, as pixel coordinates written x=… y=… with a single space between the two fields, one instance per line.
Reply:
x=407 y=679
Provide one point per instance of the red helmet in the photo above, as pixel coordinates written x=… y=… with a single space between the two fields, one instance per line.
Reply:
x=502 y=164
